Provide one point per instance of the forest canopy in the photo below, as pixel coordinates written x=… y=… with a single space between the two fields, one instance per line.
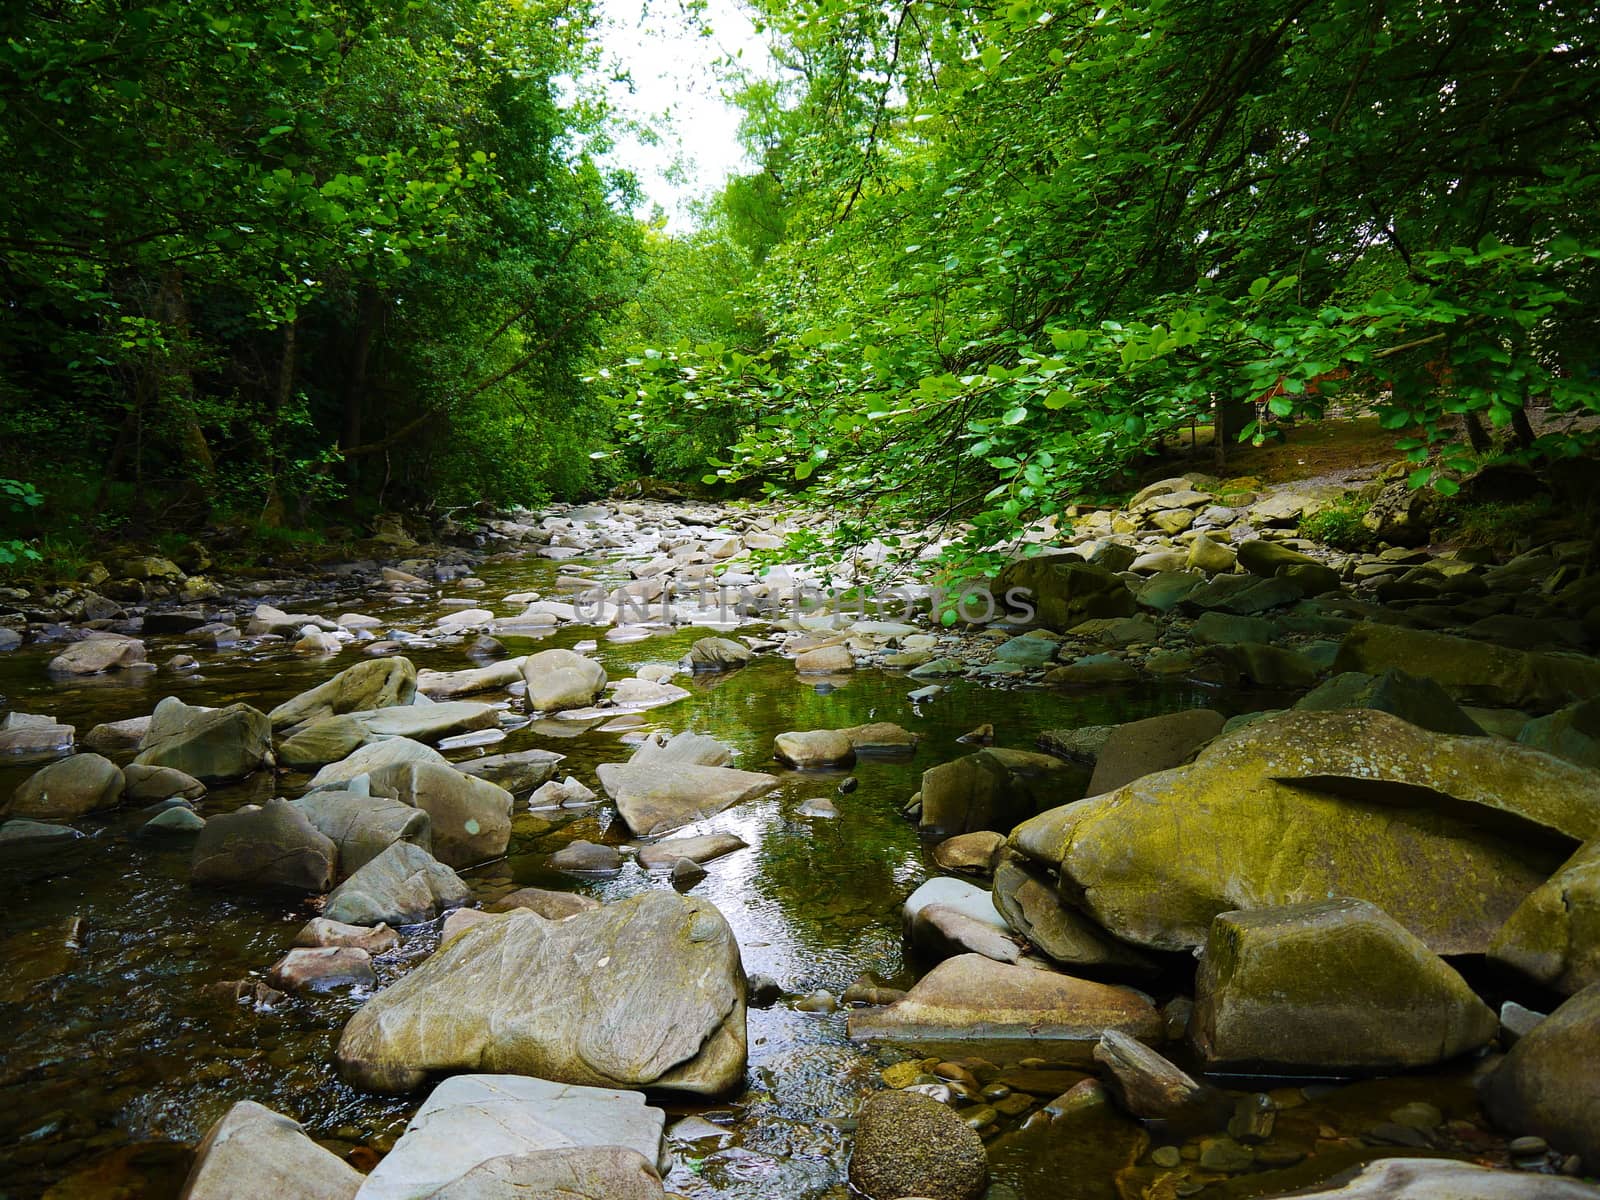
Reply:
x=266 y=260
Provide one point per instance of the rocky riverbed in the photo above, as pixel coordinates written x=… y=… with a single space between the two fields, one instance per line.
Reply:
x=1191 y=858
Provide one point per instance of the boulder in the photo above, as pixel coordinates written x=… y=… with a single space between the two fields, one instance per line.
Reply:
x=973 y=997
x=818 y=749
x=69 y=787
x=148 y=784
x=1446 y=834
x=825 y=660
x=1447 y=1179
x=657 y=797
x=1064 y=590
x=717 y=654
x=375 y=757
x=940 y=931
x=1333 y=986
x=325 y=741
x=570 y=1173
x=470 y=817
x=958 y=894
x=1547 y=1085
x=116 y=735
x=1155 y=744
x=1410 y=697
x=1554 y=935
x=1028 y=901
x=646 y=992
x=253 y=1151
x=662 y=855
x=321 y=969
x=587 y=858
x=559 y=679
x=1471 y=671
x=685 y=747
x=472 y=1122
x=517 y=771
x=319 y=931
x=214 y=745
x=272 y=848
x=377 y=683
x=1572 y=733
x=995 y=789
x=98 y=654
x=881 y=739
x=1261 y=557
x=1149 y=1087
x=969 y=853
x=446 y=685
x=363 y=826
x=908 y=1144
x=553 y=906
x=403 y=885
x=32 y=734
x=1268 y=666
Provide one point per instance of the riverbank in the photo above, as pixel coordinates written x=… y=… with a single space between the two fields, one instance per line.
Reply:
x=910 y=755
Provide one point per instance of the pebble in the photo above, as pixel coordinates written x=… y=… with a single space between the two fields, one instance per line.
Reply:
x=819 y=1001
x=1167 y=1156
x=1527 y=1147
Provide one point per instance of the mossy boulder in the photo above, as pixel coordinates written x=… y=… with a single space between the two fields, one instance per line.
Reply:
x=1412 y=698
x=1472 y=671
x=1335 y=985
x=1064 y=590
x=1554 y=936
x=273 y=848
x=1446 y=834
x=994 y=789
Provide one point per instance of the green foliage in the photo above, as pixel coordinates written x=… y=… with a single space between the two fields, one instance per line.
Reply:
x=16 y=498
x=1499 y=526
x=1020 y=244
x=263 y=256
x=1339 y=525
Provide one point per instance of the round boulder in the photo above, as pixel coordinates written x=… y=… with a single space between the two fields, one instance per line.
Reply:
x=71 y=787
x=908 y=1144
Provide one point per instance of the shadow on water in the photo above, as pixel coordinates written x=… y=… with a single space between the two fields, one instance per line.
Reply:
x=114 y=1049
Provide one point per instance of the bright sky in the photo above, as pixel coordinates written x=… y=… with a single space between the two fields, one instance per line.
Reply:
x=670 y=63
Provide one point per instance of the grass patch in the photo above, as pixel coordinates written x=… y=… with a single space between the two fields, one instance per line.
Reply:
x=1339 y=525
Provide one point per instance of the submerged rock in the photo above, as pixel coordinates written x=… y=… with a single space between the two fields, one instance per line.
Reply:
x=1335 y=985
x=271 y=848
x=645 y=992
x=253 y=1151
x=908 y=1144
x=1448 y=835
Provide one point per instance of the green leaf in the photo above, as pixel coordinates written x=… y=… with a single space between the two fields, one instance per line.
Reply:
x=1016 y=416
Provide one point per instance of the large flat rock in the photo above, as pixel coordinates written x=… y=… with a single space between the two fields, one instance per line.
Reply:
x=647 y=992
x=658 y=796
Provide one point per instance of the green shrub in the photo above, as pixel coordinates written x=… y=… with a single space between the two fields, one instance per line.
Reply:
x=1339 y=525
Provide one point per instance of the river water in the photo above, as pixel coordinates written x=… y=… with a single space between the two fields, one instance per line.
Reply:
x=114 y=1056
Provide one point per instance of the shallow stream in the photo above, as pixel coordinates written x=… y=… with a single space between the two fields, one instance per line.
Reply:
x=114 y=1056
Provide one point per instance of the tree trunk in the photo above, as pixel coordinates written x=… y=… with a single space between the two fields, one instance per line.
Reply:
x=368 y=309
x=272 y=511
